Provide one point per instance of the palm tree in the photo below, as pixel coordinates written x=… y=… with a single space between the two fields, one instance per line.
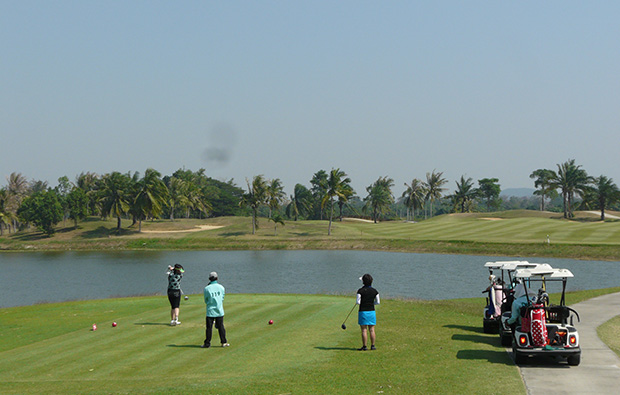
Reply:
x=434 y=190
x=255 y=197
x=318 y=189
x=301 y=202
x=275 y=194
x=17 y=190
x=544 y=181
x=6 y=216
x=414 y=197
x=114 y=194
x=464 y=194
x=88 y=183
x=177 y=195
x=605 y=192
x=347 y=193
x=152 y=196
x=336 y=187
x=379 y=196
x=276 y=219
x=572 y=180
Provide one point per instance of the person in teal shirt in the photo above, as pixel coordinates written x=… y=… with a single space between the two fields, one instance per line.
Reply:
x=214 y=299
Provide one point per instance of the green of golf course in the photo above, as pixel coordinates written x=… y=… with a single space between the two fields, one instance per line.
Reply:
x=509 y=233
x=423 y=347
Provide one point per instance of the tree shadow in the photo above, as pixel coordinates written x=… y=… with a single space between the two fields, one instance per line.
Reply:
x=336 y=348
x=232 y=234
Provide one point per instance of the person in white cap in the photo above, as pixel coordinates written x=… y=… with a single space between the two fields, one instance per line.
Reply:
x=214 y=299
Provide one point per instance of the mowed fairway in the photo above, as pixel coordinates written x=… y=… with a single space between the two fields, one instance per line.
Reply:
x=423 y=347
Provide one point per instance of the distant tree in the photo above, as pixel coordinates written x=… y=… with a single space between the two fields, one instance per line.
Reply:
x=152 y=196
x=489 y=190
x=17 y=190
x=88 y=182
x=36 y=186
x=177 y=195
x=114 y=195
x=276 y=218
x=318 y=188
x=6 y=216
x=434 y=190
x=301 y=202
x=343 y=199
x=275 y=194
x=379 y=197
x=255 y=197
x=464 y=195
x=414 y=197
x=62 y=190
x=544 y=184
x=77 y=205
x=572 y=181
x=605 y=192
x=42 y=209
x=337 y=186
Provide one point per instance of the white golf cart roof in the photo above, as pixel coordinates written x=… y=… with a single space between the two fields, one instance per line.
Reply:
x=544 y=271
x=514 y=265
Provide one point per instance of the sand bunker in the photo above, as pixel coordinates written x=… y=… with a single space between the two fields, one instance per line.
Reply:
x=197 y=229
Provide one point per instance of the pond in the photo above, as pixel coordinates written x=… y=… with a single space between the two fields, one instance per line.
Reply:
x=46 y=277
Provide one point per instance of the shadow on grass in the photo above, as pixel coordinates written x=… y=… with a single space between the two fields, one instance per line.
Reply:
x=102 y=231
x=490 y=340
x=336 y=348
x=183 y=345
x=500 y=357
x=465 y=328
x=152 y=323
x=232 y=234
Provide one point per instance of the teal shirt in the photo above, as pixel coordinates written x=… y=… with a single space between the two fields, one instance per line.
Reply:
x=214 y=299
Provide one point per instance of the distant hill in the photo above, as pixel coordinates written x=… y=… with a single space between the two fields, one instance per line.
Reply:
x=518 y=192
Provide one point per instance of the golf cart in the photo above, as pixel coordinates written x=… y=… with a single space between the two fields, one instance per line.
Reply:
x=498 y=293
x=545 y=328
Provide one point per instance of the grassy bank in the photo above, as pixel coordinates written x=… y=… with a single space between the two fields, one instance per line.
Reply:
x=513 y=233
x=423 y=347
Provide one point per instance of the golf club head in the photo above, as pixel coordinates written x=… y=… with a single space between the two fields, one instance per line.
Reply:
x=344 y=326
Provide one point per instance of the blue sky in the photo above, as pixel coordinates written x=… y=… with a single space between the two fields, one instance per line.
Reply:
x=284 y=89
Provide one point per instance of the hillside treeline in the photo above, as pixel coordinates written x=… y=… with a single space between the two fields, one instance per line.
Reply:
x=328 y=196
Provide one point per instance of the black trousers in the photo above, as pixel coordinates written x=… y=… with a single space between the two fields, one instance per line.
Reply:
x=219 y=324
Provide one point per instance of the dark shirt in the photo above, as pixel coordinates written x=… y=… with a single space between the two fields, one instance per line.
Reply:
x=368 y=295
x=174 y=280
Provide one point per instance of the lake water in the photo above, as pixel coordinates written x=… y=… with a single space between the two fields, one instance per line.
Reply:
x=41 y=277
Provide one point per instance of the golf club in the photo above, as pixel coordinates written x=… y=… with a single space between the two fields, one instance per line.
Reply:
x=345 y=320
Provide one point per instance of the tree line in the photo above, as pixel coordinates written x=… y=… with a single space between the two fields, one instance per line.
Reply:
x=330 y=196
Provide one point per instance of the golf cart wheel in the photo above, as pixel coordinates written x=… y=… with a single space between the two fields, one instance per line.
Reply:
x=574 y=360
x=506 y=340
x=519 y=359
x=486 y=327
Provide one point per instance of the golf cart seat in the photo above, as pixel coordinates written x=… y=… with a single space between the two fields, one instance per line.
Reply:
x=558 y=314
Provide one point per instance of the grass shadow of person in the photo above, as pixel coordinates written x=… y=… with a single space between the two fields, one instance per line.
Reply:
x=184 y=345
x=336 y=348
x=152 y=323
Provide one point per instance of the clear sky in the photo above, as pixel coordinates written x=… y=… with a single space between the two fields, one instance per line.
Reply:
x=287 y=88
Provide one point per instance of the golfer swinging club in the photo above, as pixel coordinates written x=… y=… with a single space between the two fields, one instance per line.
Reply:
x=367 y=298
x=214 y=299
x=175 y=273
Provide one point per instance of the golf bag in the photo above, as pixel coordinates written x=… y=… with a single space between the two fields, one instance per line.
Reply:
x=536 y=325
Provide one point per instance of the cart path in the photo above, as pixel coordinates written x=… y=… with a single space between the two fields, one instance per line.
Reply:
x=599 y=370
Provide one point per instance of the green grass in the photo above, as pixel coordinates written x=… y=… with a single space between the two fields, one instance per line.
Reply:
x=423 y=347
x=511 y=233
x=609 y=333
